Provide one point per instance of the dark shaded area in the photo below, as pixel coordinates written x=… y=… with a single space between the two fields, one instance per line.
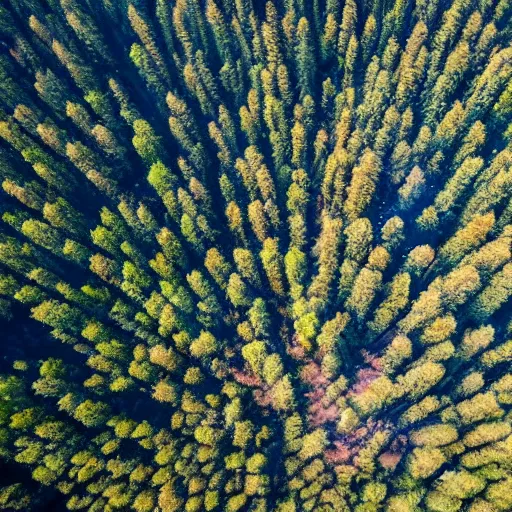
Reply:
x=19 y=338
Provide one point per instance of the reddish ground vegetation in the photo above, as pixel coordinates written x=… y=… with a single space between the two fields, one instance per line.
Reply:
x=364 y=378
x=392 y=457
x=262 y=398
x=373 y=360
x=319 y=415
x=347 y=447
x=247 y=378
x=338 y=455
x=312 y=374
x=295 y=349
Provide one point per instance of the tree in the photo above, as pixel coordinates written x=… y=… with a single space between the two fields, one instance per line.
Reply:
x=466 y=239
x=246 y=266
x=419 y=380
x=369 y=37
x=365 y=288
x=205 y=345
x=359 y=237
x=327 y=248
x=43 y=234
x=486 y=433
x=295 y=269
x=92 y=414
x=259 y=220
x=434 y=436
x=348 y=26
x=217 y=266
x=147 y=144
x=425 y=461
x=313 y=444
x=362 y=185
x=412 y=189
x=459 y=285
x=494 y=295
x=259 y=318
x=394 y=303
x=272 y=369
x=255 y=354
x=270 y=35
x=237 y=291
x=439 y=330
x=481 y=406
x=305 y=58
x=273 y=264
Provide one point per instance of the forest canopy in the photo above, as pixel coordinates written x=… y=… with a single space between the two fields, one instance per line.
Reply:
x=256 y=256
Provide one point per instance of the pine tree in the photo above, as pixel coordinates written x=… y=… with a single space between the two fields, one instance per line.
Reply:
x=305 y=58
x=327 y=249
x=466 y=239
x=272 y=262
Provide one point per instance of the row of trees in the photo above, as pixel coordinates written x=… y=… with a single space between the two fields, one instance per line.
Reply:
x=274 y=242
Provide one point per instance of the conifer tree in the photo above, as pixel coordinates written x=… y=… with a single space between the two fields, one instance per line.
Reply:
x=255 y=257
